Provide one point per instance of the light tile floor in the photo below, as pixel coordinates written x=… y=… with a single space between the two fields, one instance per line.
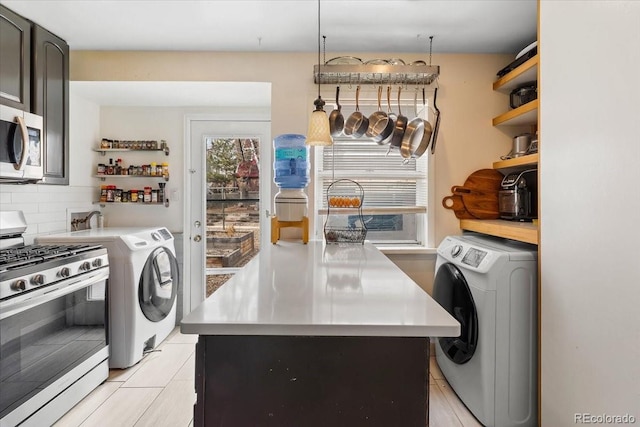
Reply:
x=159 y=392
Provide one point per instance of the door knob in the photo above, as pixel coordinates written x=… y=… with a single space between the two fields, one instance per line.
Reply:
x=197 y=238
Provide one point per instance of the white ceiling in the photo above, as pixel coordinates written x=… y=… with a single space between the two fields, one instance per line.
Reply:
x=458 y=26
x=396 y=26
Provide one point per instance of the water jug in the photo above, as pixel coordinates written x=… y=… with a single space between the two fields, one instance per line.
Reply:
x=291 y=161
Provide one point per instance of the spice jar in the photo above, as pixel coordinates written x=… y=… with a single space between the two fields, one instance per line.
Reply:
x=161 y=192
x=111 y=190
x=147 y=194
x=134 y=195
x=152 y=169
x=165 y=169
x=103 y=193
x=101 y=168
x=154 y=196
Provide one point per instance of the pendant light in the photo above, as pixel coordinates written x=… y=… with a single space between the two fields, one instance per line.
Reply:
x=319 y=132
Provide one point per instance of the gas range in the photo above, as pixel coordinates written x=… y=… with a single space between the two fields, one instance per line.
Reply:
x=26 y=268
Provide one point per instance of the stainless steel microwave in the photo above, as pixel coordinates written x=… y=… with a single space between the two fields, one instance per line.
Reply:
x=20 y=146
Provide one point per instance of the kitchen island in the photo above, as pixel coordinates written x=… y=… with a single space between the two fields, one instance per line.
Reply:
x=316 y=335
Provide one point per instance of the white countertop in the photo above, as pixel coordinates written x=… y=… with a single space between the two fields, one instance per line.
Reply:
x=320 y=290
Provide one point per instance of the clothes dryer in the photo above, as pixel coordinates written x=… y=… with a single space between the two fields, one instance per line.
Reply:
x=142 y=287
x=490 y=286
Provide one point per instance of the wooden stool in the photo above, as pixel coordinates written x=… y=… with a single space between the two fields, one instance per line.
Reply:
x=277 y=225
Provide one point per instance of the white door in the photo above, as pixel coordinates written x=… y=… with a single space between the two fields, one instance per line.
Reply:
x=207 y=191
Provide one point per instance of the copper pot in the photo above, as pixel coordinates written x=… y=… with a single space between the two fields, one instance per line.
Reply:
x=357 y=123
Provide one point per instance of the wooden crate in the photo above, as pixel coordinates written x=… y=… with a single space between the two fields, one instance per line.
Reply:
x=223 y=258
x=243 y=242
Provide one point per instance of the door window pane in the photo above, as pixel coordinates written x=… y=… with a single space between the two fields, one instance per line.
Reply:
x=233 y=206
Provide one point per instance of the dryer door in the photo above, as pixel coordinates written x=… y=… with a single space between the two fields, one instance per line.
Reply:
x=158 y=285
x=452 y=292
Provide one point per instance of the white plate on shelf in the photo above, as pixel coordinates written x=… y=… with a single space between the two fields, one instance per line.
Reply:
x=527 y=49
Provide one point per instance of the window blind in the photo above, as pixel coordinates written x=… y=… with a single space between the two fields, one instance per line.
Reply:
x=387 y=178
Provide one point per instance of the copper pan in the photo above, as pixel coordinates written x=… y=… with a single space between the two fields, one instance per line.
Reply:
x=336 y=119
x=357 y=123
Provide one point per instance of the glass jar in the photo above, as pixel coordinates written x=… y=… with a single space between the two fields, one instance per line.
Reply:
x=147 y=194
x=111 y=190
x=134 y=196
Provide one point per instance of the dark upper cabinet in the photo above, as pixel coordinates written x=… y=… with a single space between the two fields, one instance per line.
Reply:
x=50 y=99
x=15 y=60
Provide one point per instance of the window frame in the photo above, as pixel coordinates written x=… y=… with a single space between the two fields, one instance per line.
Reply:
x=428 y=234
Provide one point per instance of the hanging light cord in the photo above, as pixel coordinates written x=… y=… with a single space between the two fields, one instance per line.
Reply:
x=430 y=48
x=319 y=73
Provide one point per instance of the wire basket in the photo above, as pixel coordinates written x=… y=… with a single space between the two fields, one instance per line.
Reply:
x=344 y=235
x=344 y=196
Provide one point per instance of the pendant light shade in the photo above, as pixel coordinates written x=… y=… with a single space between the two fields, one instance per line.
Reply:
x=319 y=132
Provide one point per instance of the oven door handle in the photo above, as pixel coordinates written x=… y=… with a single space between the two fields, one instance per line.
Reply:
x=40 y=296
x=25 y=144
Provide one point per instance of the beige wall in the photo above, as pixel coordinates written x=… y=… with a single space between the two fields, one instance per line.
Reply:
x=467 y=141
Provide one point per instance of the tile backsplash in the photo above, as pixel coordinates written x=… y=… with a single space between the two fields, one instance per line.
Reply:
x=45 y=206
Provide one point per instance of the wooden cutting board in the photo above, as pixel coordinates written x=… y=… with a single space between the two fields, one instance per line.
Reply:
x=456 y=204
x=480 y=193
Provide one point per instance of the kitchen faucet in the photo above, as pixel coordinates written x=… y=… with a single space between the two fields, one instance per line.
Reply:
x=86 y=220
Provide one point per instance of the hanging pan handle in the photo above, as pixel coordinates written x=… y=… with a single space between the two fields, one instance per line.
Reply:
x=436 y=127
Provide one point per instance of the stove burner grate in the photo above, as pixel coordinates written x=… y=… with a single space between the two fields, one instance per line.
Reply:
x=19 y=257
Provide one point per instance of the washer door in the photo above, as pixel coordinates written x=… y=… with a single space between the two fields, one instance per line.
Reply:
x=158 y=285
x=451 y=291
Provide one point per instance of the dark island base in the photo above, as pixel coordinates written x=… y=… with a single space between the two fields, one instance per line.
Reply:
x=311 y=381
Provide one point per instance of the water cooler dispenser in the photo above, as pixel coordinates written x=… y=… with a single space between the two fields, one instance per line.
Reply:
x=291 y=174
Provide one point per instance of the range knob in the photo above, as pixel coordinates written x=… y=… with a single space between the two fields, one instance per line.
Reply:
x=97 y=262
x=85 y=266
x=65 y=272
x=19 y=285
x=37 y=280
x=456 y=250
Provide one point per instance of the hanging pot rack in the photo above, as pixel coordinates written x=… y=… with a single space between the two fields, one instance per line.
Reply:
x=387 y=74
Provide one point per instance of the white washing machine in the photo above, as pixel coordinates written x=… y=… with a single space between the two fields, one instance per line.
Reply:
x=490 y=286
x=142 y=287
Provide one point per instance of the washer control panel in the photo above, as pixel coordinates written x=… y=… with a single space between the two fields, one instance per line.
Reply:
x=463 y=253
x=474 y=257
x=146 y=239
